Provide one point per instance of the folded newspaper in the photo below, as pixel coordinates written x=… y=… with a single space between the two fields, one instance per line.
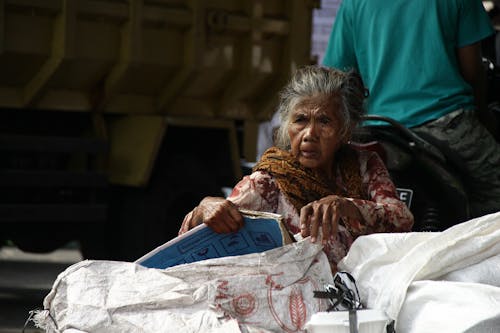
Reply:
x=262 y=231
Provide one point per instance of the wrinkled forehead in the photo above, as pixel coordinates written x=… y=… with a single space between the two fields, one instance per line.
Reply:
x=324 y=102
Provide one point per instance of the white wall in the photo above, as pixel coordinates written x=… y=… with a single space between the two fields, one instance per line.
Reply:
x=322 y=24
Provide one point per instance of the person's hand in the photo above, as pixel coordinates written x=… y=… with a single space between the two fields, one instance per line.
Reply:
x=219 y=214
x=325 y=214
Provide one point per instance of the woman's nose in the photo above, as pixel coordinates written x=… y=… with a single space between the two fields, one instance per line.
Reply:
x=311 y=132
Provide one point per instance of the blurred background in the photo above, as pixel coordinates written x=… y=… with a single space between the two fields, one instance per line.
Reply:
x=118 y=116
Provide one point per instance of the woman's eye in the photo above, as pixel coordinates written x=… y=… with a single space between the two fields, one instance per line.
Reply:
x=299 y=119
x=325 y=120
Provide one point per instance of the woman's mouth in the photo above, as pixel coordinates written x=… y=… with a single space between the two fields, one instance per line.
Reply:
x=309 y=153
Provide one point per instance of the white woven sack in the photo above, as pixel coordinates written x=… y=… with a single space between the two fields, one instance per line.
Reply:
x=269 y=291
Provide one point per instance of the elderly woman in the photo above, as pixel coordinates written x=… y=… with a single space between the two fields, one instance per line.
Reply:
x=321 y=184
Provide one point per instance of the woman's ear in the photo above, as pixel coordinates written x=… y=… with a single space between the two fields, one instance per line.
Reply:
x=347 y=136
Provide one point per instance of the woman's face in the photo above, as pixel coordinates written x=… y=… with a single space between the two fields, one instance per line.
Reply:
x=314 y=132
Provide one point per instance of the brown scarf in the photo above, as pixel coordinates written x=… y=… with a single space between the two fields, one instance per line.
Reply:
x=302 y=185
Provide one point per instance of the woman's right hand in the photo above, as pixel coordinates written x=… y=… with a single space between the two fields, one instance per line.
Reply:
x=219 y=214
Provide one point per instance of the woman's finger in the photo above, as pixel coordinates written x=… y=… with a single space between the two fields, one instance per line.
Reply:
x=222 y=216
x=236 y=217
x=305 y=221
x=336 y=214
x=223 y=224
x=326 y=223
x=316 y=216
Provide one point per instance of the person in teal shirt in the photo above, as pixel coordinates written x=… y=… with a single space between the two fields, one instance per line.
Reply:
x=421 y=62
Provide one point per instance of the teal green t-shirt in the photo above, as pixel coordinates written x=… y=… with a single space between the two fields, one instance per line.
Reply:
x=405 y=51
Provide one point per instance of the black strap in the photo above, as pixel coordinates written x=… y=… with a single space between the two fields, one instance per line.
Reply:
x=353 y=321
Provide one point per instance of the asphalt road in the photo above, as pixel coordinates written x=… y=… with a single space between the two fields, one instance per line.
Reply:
x=25 y=280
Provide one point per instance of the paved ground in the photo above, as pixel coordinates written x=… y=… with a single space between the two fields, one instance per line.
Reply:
x=25 y=280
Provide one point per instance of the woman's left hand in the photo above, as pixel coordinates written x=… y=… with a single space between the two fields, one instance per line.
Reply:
x=325 y=213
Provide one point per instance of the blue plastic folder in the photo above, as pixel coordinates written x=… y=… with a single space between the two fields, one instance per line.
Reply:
x=262 y=231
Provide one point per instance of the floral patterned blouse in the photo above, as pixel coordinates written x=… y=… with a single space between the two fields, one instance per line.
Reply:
x=383 y=212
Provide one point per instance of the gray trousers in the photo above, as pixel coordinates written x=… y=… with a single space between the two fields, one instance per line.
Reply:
x=462 y=132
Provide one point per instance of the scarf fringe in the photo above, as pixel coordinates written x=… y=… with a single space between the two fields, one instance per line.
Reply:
x=302 y=185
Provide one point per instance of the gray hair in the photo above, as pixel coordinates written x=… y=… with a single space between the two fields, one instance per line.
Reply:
x=310 y=81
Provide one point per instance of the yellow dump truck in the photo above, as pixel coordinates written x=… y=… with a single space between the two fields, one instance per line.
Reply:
x=117 y=116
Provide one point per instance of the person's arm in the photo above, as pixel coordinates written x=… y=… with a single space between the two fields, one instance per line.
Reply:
x=325 y=214
x=218 y=213
x=382 y=212
x=257 y=191
x=472 y=70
